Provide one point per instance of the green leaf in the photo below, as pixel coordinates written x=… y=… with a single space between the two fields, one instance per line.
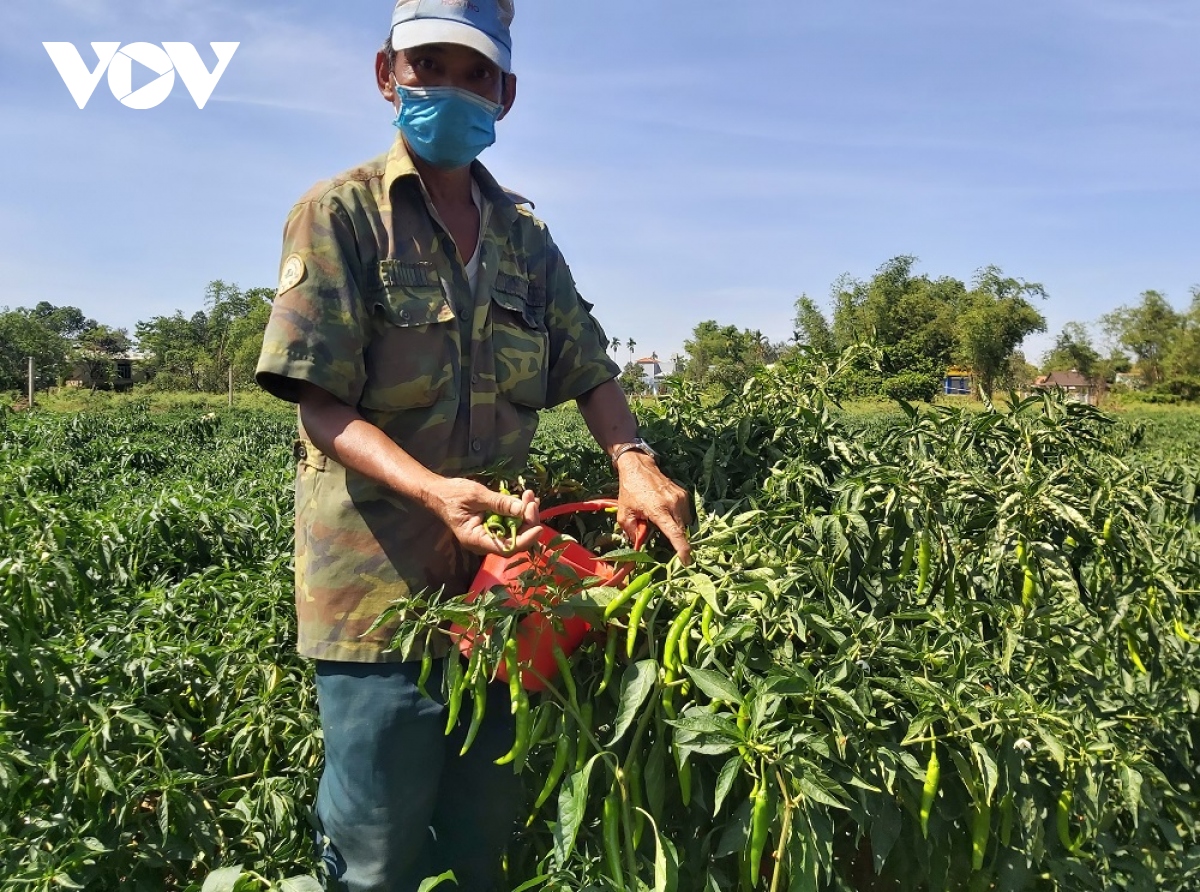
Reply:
x=433 y=882
x=1053 y=745
x=636 y=684
x=300 y=884
x=715 y=685
x=737 y=831
x=988 y=772
x=223 y=880
x=531 y=883
x=729 y=773
x=572 y=804
x=666 y=860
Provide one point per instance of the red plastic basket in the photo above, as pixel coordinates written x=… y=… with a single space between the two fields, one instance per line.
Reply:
x=567 y=563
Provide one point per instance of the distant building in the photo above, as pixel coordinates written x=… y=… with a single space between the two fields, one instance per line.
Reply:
x=126 y=369
x=958 y=382
x=1077 y=387
x=652 y=372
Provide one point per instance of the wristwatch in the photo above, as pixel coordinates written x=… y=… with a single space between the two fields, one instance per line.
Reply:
x=635 y=445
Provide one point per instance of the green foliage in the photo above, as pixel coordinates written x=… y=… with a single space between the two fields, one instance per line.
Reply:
x=1011 y=588
x=912 y=386
x=45 y=333
x=723 y=356
x=195 y=353
x=633 y=379
x=1148 y=330
x=1073 y=350
x=996 y=318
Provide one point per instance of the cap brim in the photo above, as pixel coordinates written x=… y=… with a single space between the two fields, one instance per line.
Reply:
x=419 y=32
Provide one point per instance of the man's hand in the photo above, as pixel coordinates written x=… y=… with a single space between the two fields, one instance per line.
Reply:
x=646 y=493
x=463 y=506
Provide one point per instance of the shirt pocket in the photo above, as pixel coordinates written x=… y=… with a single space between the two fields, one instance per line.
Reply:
x=412 y=360
x=520 y=341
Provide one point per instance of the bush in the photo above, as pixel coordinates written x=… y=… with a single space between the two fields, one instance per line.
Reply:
x=912 y=387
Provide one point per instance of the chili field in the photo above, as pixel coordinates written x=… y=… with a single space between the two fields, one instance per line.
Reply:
x=931 y=650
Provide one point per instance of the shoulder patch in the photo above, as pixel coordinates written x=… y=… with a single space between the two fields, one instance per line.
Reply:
x=517 y=198
x=292 y=275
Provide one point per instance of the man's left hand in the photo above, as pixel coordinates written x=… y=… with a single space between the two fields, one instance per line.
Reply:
x=647 y=494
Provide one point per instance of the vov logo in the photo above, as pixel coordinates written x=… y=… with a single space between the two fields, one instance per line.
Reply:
x=118 y=61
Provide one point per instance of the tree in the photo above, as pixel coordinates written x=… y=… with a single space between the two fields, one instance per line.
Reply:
x=811 y=328
x=631 y=343
x=1183 y=358
x=913 y=318
x=997 y=316
x=96 y=349
x=633 y=379
x=1072 y=350
x=22 y=335
x=46 y=333
x=1148 y=330
x=196 y=353
x=724 y=355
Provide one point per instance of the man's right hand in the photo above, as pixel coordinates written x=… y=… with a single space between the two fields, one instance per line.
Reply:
x=464 y=505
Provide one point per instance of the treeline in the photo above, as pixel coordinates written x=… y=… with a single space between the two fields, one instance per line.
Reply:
x=176 y=352
x=919 y=325
x=922 y=326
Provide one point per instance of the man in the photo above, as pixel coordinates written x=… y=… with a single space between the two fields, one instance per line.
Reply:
x=423 y=317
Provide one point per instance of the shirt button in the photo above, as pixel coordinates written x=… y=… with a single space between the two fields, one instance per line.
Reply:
x=404 y=314
x=474 y=379
x=464 y=315
x=476 y=445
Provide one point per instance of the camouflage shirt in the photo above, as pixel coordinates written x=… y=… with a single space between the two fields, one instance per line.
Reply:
x=374 y=307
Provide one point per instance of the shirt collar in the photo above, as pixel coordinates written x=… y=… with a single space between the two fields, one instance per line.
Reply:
x=399 y=165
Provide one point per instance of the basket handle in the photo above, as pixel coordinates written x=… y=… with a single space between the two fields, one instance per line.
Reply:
x=639 y=538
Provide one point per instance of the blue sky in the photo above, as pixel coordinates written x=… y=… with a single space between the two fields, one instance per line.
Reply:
x=709 y=160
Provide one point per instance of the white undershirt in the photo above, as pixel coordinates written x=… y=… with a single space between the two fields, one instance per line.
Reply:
x=472 y=266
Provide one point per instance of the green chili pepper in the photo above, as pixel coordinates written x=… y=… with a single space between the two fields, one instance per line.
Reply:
x=906 y=559
x=456 y=681
x=635 y=620
x=581 y=740
x=610 y=660
x=564 y=672
x=924 y=559
x=633 y=779
x=501 y=527
x=562 y=752
x=760 y=826
x=670 y=657
x=477 y=710
x=635 y=586
x=611 y=826
x=426 y=668
x=520 y=708
x=1028 y=588
x=707 y=615
x=513 y=668
x=981 y=827
x=685 y=782
x=524 y=728
x=1063 y=822
x=933 y=773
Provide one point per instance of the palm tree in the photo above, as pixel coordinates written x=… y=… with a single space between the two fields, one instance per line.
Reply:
x=631 y=343
x=614 y=344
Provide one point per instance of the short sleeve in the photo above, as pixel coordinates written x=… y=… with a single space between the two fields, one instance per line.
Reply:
x=579 y=359
x=317 y=332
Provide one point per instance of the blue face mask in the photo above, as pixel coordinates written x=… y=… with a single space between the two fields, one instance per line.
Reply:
x=446 y=126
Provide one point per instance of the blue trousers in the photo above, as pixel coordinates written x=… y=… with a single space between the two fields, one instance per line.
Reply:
x=396 y=802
